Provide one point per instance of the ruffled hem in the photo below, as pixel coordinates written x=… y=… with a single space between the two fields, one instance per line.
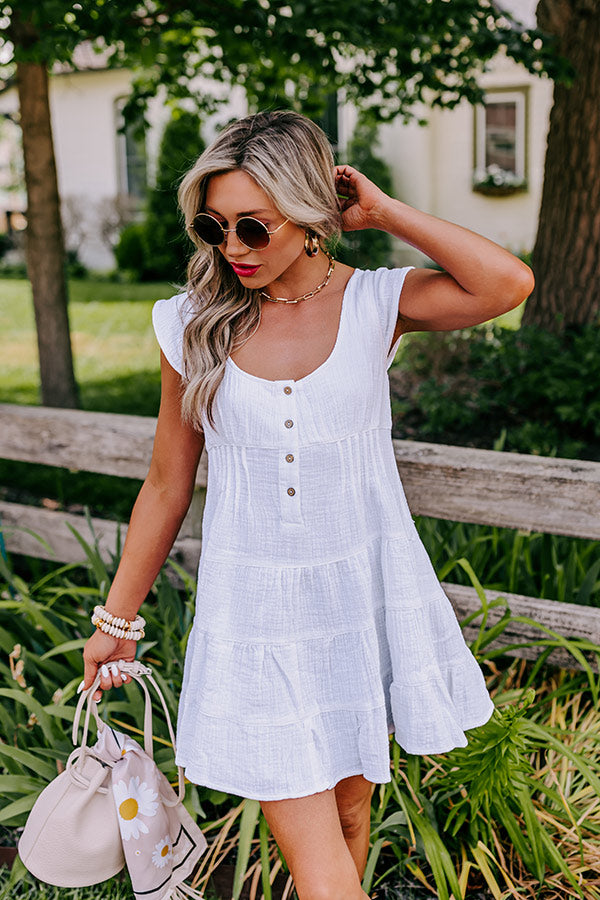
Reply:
x=445 y=741
x=281 y=762
x=197 y=777
x=293 y=710
x=264 y=750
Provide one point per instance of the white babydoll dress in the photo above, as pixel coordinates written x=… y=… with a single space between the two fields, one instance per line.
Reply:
x=320 y=625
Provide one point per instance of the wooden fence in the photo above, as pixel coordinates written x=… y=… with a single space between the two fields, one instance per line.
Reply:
x=529 y=493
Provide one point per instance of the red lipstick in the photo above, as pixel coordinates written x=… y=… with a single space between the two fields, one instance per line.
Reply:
x=244 y=271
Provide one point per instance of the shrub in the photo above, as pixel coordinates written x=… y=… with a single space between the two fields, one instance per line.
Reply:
x=5 y=243
x=159 y=248
x=75 y=268
x=167 y=245
x=130 y=251
x=528 y=391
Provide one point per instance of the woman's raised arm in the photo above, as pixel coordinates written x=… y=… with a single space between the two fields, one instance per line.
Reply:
x=161 y=505
x=480 y=279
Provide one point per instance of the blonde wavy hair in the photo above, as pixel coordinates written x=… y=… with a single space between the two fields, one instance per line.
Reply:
x=290 y=158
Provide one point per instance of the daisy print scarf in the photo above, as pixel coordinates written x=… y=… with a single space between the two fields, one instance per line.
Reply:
x=161 y=841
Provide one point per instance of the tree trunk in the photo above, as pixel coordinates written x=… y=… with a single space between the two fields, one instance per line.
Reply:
x=44 y=239
x=566 y=256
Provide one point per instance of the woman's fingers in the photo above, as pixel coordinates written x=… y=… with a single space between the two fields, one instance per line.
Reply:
x=345 y=171
x=343 y=180
x=344 y=186
x=103 y=654
x=105 y=681
x=110 y=676
x=89 y=673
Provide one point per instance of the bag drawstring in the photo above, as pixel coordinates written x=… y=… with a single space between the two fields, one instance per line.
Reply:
x=138 y=671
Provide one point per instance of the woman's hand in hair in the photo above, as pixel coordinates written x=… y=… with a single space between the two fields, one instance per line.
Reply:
x=359 y=198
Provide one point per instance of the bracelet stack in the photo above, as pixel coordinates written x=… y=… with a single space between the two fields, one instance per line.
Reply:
x=132 y=630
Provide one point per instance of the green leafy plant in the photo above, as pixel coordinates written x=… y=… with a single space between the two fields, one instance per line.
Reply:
x=495 y=180
x=130 y=251
x=536 y=391
x=516 y=810
x=158 y=247
x=43 y=627
x=18 y=884
x=167 y=245
x=534 y=564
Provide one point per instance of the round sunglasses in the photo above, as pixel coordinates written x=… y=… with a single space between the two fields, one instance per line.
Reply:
x=251 y=232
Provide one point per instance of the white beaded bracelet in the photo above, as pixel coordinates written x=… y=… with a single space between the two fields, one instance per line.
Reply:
x=136 y=624
x=117 y=626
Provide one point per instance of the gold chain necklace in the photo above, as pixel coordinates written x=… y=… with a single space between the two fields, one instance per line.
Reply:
x=309 y=294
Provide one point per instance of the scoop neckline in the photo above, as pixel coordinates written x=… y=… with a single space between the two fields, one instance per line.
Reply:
x=325 y=362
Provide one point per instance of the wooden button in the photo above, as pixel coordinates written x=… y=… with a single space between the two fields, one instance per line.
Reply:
x=287 y=389
x=291 y=492
x=288 y=423
x=289 y=457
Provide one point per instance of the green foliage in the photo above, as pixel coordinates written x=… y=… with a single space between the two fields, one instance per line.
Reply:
x=75 y=268
x=529 y=391
x=16 y=270
x=158 y=247
x=44 y=624
x=513 y=807
x=21 y=885
x=130 y=250
x=400 y=52
x=505 y=805
x=532 y=564
x=5 y=243
x=367 y=249
x=493 y=766
x=167 y=246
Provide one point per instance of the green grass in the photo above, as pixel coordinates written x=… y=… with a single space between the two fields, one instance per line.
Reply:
x=551 y=566
x=511 y=319
x=116 y=354
x=30 y=888
x=117 y=368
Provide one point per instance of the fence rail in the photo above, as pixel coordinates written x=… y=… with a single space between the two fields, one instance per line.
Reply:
x=556 y=496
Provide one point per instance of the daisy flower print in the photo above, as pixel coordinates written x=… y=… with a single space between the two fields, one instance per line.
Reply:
x=132 y=801
x=163 y=853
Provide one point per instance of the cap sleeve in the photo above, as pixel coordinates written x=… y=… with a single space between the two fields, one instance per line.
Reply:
x=169 y=318
x=386 y=287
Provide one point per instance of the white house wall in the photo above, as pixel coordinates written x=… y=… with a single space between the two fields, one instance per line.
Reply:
x=86 y=144
x=82 y=106
x=88 y=158
x=432 y=165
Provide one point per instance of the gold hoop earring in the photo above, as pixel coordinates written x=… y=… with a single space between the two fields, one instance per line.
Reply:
x=311 y=243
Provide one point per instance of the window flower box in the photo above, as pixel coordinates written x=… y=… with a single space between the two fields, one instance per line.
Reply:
x=497 y=182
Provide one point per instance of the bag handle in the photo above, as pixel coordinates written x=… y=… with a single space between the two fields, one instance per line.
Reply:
x=138 y=671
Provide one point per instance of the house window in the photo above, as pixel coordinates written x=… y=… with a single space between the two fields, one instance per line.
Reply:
x=131 y=156
x=500 y=142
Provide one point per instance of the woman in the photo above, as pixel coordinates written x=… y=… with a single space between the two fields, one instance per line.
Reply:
x=321 y=627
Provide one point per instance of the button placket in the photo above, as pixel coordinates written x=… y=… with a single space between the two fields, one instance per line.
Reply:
x=289 y=486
